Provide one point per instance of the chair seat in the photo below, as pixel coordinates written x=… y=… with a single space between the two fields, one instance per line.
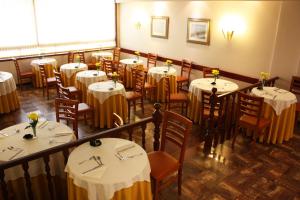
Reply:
x=83 y=107
x=26 y=74
x=180 y=96
x=133 y=95
x=51 y=80
x=181 y=79
x=206 y=113
x=149 y=86
x=72 y=89
x=298 y=107
x=162 y=164
x=251 y=121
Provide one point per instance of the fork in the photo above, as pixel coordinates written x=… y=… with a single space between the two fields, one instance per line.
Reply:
x=99 y=158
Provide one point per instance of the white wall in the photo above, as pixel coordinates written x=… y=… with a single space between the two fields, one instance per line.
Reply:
x=248 y=53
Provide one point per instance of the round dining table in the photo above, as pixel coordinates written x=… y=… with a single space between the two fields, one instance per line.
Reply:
x=107 y=98
x=9 y=100
x=13 y=146
x=117 y=169
x=102 y=55
x=50 y=65
x=130 y=63
x=86 y=78
x=205 y=84
x=68 y=72
x=155 y=77
x=280 y=107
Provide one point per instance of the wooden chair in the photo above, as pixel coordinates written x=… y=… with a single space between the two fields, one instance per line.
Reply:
x=67 y=109
x=116 y=54
x=77 y=94
x=184 y=78
x=207 y=72
x=295 y=88
x=23 y=75
x=138 y=90
x=83 y=109
x=108 y=66
x=175 y=130
x=151 y=61
x=117 y=120
x=71 y=56
x=121 y=70
x=249 y=116
x=179 y=97
x=47 y=82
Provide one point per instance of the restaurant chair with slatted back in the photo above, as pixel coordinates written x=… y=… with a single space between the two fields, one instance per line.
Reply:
x=67 y=109
x=117 y=120
x=116 y=54
x=121 y=70
x=83 y=109
x=47 y=82
x=249 y=116
x=70 y=57
x=151 y=61
x=164 y=166
x=22 y=75
x=81 y=55
x=295 y=88
x=207 y=72
x=138 y=90
x=174 y=98
x=218 y=115
x=185 y=73
x=108 y=66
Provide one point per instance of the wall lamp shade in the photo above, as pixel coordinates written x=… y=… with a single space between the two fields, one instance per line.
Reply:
x=227 y=34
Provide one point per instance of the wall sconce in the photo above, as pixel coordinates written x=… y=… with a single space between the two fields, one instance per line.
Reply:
x=138 y=25
x=227 y=34
x=232 y=24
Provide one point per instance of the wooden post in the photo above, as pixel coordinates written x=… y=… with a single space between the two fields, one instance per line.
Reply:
x=157 y=119
x=210 y=129
x=3 y=185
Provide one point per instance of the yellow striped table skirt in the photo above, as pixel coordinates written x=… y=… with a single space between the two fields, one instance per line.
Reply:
x=139 y=190
x=38 y=78
x=9 y=102
x=68 y=81
x=129 y=78
x=194 y=109
x=160 y=94
x=104 y=112
x=80 y=86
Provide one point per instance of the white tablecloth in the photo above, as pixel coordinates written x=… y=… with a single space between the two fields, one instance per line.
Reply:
x=131 y=62
x=71 y=68
x=44 y=61
x=7 y=83
x=161 y=71
x=115 y=174
x=222 y=86
x=90 y=76
x=50 y=135
x=103 y=90
x=279 y=99
x=103 y=54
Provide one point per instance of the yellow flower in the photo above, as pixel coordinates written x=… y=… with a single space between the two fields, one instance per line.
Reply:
x=215 y=72
x=98 y=64
x=33 y=116
x=169 y=62
x=264 y=75
x=137 y=53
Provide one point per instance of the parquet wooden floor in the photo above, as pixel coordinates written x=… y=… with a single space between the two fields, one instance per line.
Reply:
x=262 y=171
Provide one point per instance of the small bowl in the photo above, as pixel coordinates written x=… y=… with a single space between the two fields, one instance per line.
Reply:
x=95 y=143
x=76 y=67
x=28 y=136
x=134 y=61
x=111 y=88
x=165 y=71
x=95 y=74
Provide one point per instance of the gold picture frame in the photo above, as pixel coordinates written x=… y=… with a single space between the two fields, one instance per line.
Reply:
x=198 y=31
x=160 y=27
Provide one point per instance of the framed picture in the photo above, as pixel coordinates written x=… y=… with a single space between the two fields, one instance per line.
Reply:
x=160 y=27
x=198 y=31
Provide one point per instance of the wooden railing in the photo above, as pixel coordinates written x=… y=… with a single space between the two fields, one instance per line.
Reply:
x=226 y=128
x=156 y=119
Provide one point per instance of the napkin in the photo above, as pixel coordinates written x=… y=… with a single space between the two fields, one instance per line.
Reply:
x=96 y=171
x=7 y=154
x=63 y=133
x=124 y=146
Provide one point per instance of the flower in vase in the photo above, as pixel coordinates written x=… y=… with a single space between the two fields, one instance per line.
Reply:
x=137 y=53
x=264 y=75
x=114 y=77
x=33 y=120
x=215 y=72
x=169 y=63
x=98 y=65
x=77 y=58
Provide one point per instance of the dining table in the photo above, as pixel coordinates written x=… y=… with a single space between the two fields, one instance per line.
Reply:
x=206 y=84
x=129 y=64
x=100 y=55
x=155 y=77
x=13 y=146
x=9 y=100
x=68 y=72
x=280 y=107
x=118 y=169
x=49 y=63
x=86 y=78
x=106 y=98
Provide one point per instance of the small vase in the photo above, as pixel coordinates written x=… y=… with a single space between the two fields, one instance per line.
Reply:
x=215 y=81
x=168 y=67
x=34 y=131
x=115 y=83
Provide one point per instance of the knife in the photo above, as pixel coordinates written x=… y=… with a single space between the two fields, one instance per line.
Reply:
x=16 y=154
x=91 y=169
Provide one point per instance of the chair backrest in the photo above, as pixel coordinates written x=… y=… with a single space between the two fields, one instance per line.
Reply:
x=152 y=58
x=206 y=98
x=43 y=73
x=67 y=109
x=17 y=67
x=108 y=66
x=186 y=67
x=121 y=69
x=139 y=78
x=116 y=54
x=249 y=105
x=58 y=81
x=175 y=129
x=72 y=55
x=207 y=72
x=117 y=120
x=166 y=81
x=295 y=85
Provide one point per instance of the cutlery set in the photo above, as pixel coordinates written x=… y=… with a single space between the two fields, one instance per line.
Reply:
x=95 y=158
x=11 y=148
x=43 y=124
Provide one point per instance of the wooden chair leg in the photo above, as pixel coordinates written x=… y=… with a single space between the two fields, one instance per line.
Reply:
x=47 y=88
x=179 y=181
x=134 y=106
x=128 y=103
x=234 y=136
x=85 y=118
x=142 y=104
x=156 y=190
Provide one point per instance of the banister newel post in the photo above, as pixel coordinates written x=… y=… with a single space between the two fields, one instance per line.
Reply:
x=157 y=119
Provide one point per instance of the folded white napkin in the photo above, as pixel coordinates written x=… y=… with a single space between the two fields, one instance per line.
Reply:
x=10 y=154
x=124 y=146
x=63 y=133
